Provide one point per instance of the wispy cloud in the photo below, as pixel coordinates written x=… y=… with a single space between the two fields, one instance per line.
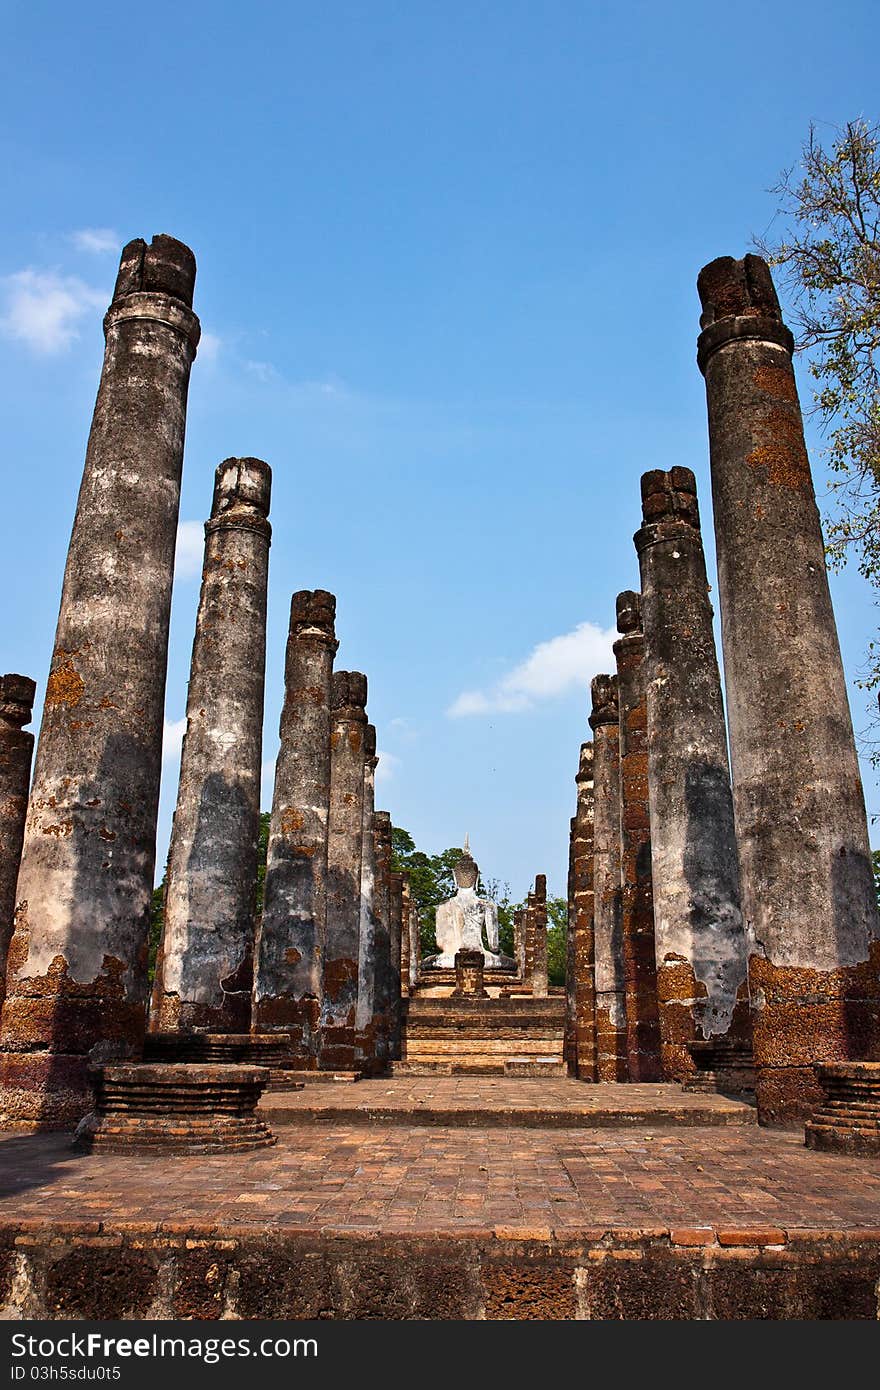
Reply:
x=98 y=240
x=43 y=309
x=209 y=346
x=172 y=739
x=552 y=668
x=190 y=549
x=387 y=766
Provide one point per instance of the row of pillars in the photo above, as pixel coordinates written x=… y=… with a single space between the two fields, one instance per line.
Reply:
x=530 y=939
x=720 y=906
x=77 y=870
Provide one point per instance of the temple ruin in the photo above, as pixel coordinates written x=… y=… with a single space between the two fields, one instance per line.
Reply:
x=721 y=944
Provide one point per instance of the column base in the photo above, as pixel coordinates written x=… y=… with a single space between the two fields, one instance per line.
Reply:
x=848 y=1120
x=175 y=1109
x=43 y=1090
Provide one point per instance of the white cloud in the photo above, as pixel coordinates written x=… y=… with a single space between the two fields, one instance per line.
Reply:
x=209 y=346
x=98 y=240
x=43 y=308
x=387 y=766
x=190 y=549
x=552 y=668
x=172 y=739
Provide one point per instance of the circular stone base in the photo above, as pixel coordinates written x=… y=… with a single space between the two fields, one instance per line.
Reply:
x=192 y=1109
x=849 y=1120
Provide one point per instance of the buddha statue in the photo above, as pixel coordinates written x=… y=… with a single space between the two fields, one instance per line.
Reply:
x=467 y=921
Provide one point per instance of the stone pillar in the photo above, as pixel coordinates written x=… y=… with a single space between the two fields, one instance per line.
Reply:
x=519 y=941
x=395 y=923
x=371 y=1043
x=611 y=1051
x=344 y=846
x=290 y=938
x=382 y=936
x=415 y=945
x=637 y=902
x=77 y=980
x=808 y=893
x=405 y=943
x=528 y=932
x=16 y=747
x=206 y=969
x=580 y=983
x=540 y=987
x=700 y=943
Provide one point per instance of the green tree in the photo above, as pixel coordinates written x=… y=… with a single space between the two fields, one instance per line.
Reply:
x=262 y=851
x=829 y=254
x=557 y=930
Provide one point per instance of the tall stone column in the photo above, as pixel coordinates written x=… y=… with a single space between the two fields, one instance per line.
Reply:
x=540 y=988
x=206 y=969
x=528 y=930
x=290 y=939
x=77 y=979
x=370 y=1042
x=395 y=922
x=698 y=925
x=580 y=983
x=415 y=944
x=348 y=723
x=611 y=1050
x=808 y=893
x=637 y=902
x=519 y=941
x=16 y=748
x=405 y=942
x=382 y=936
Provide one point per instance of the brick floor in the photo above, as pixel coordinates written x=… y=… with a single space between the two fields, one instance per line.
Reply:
x=413 y=1179
x=496 y=1100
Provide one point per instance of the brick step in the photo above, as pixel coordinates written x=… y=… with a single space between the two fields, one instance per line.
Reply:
x=481 y=1047
x=445 y=1030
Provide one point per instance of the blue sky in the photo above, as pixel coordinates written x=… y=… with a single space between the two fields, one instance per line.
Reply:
x=447 y=260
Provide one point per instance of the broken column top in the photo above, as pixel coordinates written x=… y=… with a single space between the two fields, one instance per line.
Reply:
x=17 y=699
x=603 y=690
x=669 y=496
x=242 y=484
x=540 y=888
x=313 y=612
x=349 y=693
x=165 y=266
x=370 y=745
x=629 y=611
x=585 y=766
x=382 y=820
x=739 y=300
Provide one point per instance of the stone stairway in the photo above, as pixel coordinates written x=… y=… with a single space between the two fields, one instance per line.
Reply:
x=482 y=1037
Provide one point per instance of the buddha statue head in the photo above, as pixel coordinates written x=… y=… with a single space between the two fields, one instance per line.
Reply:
x=466 y=871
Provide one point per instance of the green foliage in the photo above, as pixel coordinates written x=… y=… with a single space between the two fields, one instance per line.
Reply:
x=829 y=252
x=557 y=930
x=431 y=881
x=157 y=921
x=262 y=850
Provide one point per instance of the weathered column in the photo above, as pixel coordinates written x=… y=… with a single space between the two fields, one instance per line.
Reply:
x=528 y=931
x=580 y=983
x=344 y=845
x=808 y=893
x=382 y=935
x=206 y=969
x=395 y=922
x=539 y=971
x=405 y=943
x=370 y=1042
x=77 y=980
x=519 y=941
x=415 y=944
x=698 y=925
x=637 y=902
x=16 y=748
x=611 y=1056
x=290 y=940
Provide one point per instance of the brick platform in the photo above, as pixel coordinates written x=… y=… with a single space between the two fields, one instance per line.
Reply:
x=492 y=1102
x=408 y=1221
